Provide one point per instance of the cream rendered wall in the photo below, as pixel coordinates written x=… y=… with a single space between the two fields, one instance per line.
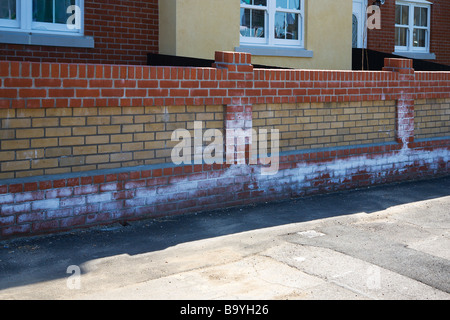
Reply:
x=198 y=28
x=167 y=26
x=328 y=33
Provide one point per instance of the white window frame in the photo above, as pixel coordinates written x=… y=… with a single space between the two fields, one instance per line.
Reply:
x=24 y=21
x=409 y=48
x=269 y=34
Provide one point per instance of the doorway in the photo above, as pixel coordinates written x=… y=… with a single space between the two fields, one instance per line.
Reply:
x=359 y=30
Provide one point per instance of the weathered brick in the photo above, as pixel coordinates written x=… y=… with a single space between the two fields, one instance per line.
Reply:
x=45 y=122
x=73 y=202
x=97 y=139
x=97 y=159
x=143 y=155
x=109 y=148
x=16 y=230
x=120 y=138
x=58 y=132
x=7 y=221
x=45 y=204
x=144 y=136
x=85 y=190
x=14 y=209
x=58 y=193
x=109 y=111
x=85 y=150
x=16 y=123
x=29 y=196
x=73 y=221
x=72 y=161
x=57 y=152
x=103 y=197
x=132 y=128
x=98 y=120
x=109 y=129
x=7 y=155
x=132 y=146
x=71 y=141
x=121 y=119
x=44 y=143
x=115 y=157
x=15 y=165
x=73 y=121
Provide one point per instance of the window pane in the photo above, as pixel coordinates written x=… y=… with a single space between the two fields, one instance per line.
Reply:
x=424 y=17
x=416 y=16
x=405 y=15
x=260 y=3
x=398 y=14
x=252 y=23
x=421 y=17
x=354 y=32
x=400 y=37
x=43 y=11
x=8 y=9
x=51 y=11
x=286 y=26
x=294 y=4
x=61 y=14
x=280 y=25
x=292 y=26
x=245 y=22
x=282 y=4
x=419 y=38
x=258 y=23
x=255 y=2
x=401 y=14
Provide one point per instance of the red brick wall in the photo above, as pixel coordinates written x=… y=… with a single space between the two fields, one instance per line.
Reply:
x=124 y=32
x=63 y=204
x=384 y=39
x=55 y=203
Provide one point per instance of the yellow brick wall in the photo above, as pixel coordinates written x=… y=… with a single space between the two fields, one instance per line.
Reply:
x=321 y=125
x=50 y=141
x=432 y=118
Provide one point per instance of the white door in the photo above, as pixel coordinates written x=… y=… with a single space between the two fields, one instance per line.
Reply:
x=359 y=21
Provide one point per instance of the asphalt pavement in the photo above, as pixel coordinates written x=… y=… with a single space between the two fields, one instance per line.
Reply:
x=381 y=243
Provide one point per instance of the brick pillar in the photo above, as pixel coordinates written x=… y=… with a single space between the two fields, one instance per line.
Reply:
x=238 y=112
x=405 y=102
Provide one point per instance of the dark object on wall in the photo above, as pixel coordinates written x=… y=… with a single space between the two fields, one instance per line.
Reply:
x=374 y=61
x=154 y=59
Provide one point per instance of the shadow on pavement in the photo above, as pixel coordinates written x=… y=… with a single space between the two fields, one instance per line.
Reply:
x=33 y=260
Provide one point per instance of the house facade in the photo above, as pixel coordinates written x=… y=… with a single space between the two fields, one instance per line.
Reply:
x=411 y=29
x=298 y=34
x=80 y=31
x=287 y=33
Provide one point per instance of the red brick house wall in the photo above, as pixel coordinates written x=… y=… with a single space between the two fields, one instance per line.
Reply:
x=124 y=32
x=384 y=39
x=440 y=27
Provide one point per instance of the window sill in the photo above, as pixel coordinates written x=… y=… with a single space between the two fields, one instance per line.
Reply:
x=41 y=39
x=275 y=51
x=416 y=55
